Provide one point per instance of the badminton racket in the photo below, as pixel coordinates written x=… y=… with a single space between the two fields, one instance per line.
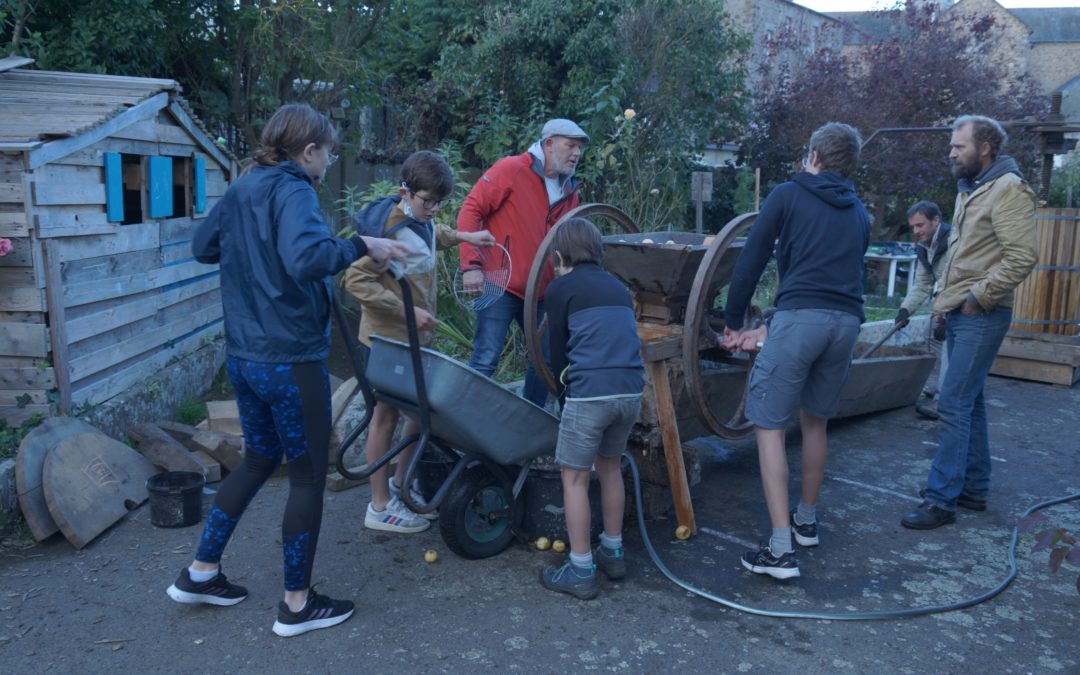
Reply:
x=493 y=262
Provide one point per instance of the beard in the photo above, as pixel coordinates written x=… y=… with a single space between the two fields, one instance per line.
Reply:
x=966 y=168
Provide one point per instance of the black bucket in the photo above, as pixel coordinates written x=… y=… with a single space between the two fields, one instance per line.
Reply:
x=175 y=498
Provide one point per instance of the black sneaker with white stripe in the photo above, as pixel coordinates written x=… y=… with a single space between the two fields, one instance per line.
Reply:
x=805 y=535
x=762 y=561
x=217 y=591
x=318 y=612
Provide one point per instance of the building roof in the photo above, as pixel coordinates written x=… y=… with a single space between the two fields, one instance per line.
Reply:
x=869 y=27
x=41 y=105
x=1051 y=24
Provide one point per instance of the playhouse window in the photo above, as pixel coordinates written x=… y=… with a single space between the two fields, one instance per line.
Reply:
x=131 y=167
x=182 y=187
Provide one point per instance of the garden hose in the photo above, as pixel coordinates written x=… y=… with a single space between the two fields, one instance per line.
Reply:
x=839 y=616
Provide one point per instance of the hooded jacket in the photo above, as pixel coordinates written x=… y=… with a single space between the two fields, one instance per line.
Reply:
x=379 y=293
x=276 y=255
x=511 y=201
x=821 y=232
x=992 y=246
x=930 y=265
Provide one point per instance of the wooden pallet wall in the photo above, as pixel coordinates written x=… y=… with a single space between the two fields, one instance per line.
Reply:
x=26 y=376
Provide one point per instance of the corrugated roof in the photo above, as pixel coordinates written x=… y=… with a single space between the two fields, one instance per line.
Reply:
x=43 y=105
x=1051 y=24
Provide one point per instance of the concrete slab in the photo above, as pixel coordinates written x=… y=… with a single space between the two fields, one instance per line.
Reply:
x=101 y=610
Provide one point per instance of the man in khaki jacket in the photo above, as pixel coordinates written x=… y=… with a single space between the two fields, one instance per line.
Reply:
x=991 y=250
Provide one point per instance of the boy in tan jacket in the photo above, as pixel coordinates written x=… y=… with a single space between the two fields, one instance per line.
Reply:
x=409 y=218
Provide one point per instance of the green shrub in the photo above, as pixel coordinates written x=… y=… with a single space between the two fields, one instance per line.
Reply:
x=190 y=411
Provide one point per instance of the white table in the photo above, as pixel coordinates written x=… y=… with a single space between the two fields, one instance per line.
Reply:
x=894 y=260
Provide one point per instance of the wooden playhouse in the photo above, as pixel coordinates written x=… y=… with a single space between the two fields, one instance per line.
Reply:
x=102 y=182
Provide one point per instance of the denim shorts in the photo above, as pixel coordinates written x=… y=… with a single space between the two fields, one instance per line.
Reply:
x=595 y=427
x=804 y=363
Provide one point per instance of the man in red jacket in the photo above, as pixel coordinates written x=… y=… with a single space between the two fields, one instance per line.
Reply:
x=518 y=200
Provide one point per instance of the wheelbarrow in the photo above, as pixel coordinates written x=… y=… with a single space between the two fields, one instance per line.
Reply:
x=488 y=434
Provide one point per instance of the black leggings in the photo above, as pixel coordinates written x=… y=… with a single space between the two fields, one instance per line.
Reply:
x=284 y=410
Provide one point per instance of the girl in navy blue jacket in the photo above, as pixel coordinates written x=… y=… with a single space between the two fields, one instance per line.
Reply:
x=277 y=256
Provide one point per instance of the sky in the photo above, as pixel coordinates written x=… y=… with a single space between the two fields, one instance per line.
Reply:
x=868 y=5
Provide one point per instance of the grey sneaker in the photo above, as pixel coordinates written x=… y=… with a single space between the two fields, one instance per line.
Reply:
x=416 y=497
x=567 y=580
x=610 y=561
x=762 y=561
x=805 y=535
x=396 y=517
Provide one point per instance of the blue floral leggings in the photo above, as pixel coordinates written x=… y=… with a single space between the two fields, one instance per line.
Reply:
x=284 y=410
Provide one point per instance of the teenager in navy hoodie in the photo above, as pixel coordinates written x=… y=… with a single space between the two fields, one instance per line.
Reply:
x=820 y=231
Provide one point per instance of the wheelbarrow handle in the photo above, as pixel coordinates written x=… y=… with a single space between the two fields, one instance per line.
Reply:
x=358 y=366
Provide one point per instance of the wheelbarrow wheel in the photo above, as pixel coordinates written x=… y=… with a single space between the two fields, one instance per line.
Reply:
x=479 y=516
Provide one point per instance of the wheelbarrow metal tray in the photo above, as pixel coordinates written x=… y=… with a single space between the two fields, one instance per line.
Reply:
x=469 y=411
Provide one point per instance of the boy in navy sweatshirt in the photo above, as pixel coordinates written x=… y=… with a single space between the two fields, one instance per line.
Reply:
x=596 y=355
x=821 y=231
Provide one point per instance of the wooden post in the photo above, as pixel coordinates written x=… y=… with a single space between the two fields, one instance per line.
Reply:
x=700 y=192
x=757 y=189
x=54 y=295
x=669 y=431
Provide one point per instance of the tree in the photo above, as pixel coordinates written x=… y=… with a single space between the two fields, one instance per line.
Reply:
x=928 y=72
x=237 y=60
x=676 y=64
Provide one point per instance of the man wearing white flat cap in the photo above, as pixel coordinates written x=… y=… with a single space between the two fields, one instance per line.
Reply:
x=518 y=200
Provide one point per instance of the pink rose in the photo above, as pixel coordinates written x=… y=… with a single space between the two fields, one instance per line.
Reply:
x=5 y=246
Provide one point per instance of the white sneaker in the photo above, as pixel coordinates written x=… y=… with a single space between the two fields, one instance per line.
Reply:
x=396 y=517
x=416 y=497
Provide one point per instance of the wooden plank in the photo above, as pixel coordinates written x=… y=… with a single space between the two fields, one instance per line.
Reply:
x=58 y=334
x=176 y=230
x=215 y=183
x=27 y=378
x=164 y=451
x=81 y=294
x=123 y=239
x=57 y=149
x=12 y=193
x=16 y=416
x=97 y=361
x=71 y=221
x=17 y=397
x=21 y=254
x=24 y=339
x=22 y=299
x=13 y=224
x=1038 y=371
x=669 y=430
x=1039 y=350
x=89 y=480
x=101 y=322
x=102 y=389
x=173 y=254
x=58 y=184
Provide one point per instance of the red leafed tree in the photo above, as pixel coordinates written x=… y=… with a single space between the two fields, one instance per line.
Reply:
x=929 y=71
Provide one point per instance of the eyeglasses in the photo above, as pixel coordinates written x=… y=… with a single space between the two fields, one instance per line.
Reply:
x=331 y=158
x=431 y=203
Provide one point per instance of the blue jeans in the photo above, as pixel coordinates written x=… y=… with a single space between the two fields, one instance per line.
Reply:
x=492 y=324
x=962 y=463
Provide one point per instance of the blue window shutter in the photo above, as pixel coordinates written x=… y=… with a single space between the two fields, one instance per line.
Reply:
x=114 y=188
x=161 y=203
x=200 y=185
